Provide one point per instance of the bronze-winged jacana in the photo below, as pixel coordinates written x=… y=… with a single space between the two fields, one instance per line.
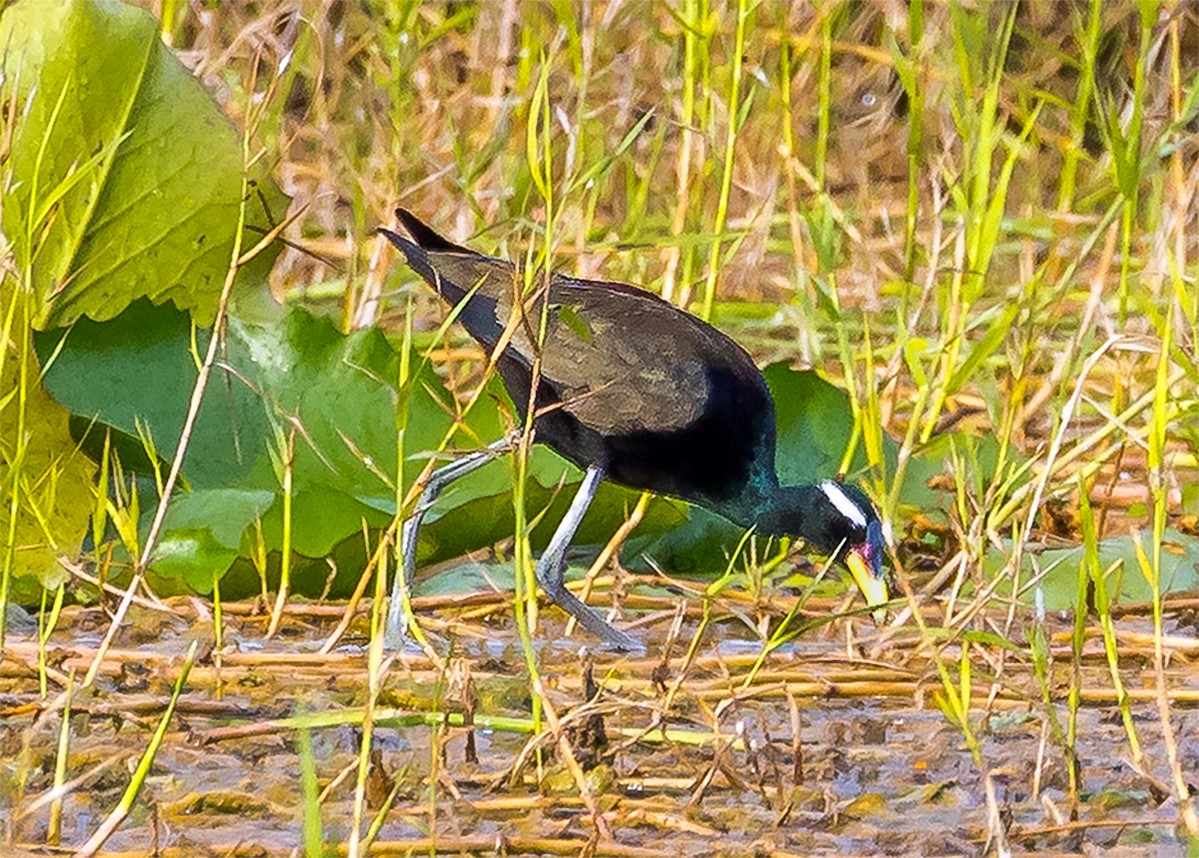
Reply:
x=634 y=390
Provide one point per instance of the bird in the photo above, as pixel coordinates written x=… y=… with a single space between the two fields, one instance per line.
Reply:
x=635 y=390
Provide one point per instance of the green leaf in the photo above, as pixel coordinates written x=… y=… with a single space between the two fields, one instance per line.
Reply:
x=336 y=392
x=600 y=167
x=296 y=372
x=203 y=533
x=815 y=422
x=53 y=493
x=1179 y=572
x=139 y=366
x=126 y=178
x=700 y=543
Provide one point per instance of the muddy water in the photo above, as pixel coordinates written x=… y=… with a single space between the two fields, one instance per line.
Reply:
x=871 y=773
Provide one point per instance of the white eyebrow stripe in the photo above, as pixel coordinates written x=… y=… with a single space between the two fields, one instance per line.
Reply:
x=841 y=501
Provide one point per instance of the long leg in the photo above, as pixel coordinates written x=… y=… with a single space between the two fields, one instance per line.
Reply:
x=552 y=567
x=398 y=617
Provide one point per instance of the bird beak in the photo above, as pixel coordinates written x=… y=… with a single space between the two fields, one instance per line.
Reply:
x=872 y=584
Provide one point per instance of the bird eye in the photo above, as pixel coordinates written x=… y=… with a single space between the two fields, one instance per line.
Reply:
x=869 y=99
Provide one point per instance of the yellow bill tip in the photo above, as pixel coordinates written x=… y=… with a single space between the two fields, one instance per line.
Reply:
x=874 y=589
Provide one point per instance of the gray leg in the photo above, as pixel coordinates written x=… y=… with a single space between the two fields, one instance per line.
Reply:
x=552 y=567
x=396 y=629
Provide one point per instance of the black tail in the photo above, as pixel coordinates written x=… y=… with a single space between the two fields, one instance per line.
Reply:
x=424 y=234
x=418 y=259
x=417 y=253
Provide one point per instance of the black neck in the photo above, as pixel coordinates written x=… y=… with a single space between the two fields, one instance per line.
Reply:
x=792 y=511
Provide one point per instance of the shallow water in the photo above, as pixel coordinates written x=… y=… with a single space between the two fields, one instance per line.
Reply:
x=878 y=773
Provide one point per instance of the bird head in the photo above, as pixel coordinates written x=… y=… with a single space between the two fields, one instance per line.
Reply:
x=843 y=519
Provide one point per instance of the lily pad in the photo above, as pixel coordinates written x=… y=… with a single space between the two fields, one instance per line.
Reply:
x=1179 y=572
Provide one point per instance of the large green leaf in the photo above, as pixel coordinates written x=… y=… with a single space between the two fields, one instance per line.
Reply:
x=1126 y=583
x=292 y=375
x=45 y=473
x=814 y=423
x=135 y=373
x=126 y=178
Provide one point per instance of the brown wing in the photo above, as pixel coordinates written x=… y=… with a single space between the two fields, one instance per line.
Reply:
x=612 y=382
x=616 y=383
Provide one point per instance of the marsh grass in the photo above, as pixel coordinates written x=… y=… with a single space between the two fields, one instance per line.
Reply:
x=981 y=219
